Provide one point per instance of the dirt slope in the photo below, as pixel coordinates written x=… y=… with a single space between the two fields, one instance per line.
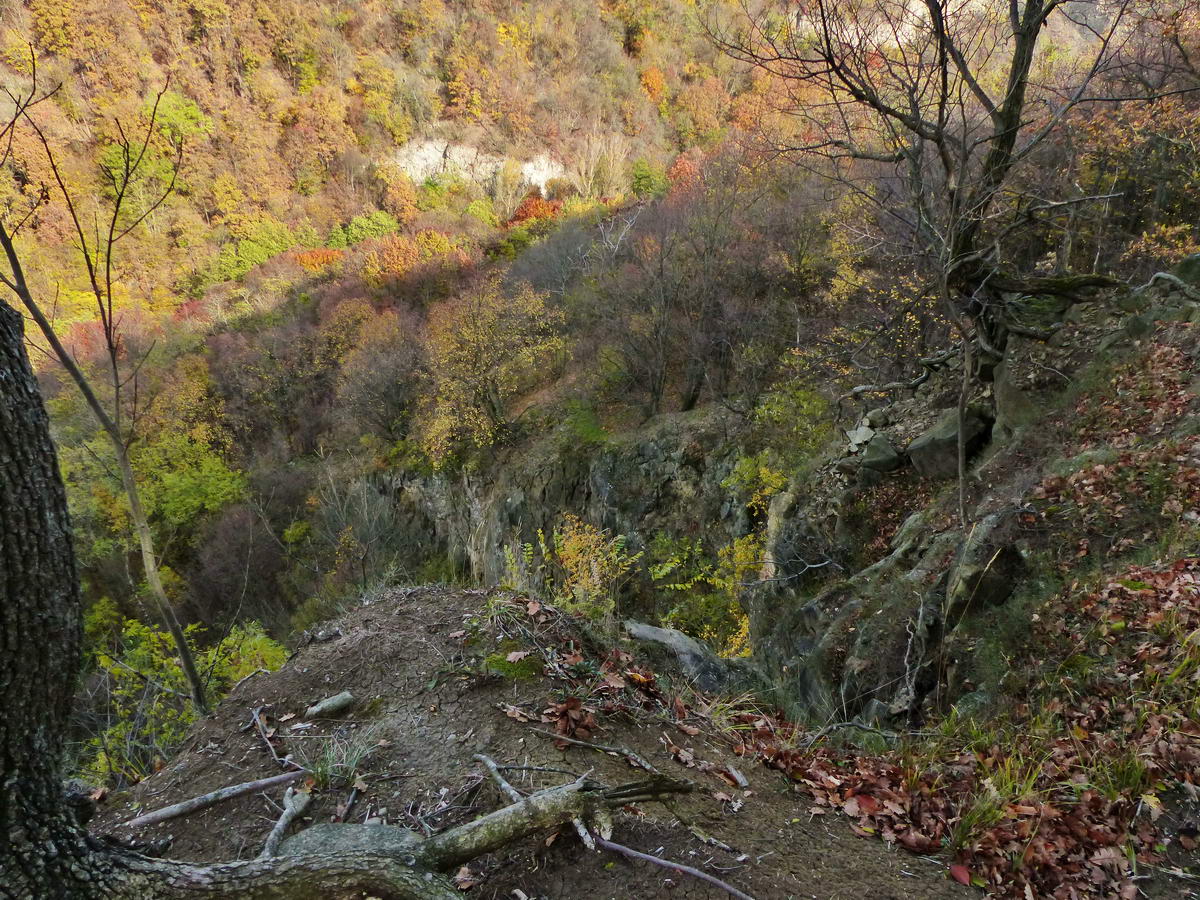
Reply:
x=421 y=664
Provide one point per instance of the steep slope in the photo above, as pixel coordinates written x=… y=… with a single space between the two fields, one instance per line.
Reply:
x=430 y=669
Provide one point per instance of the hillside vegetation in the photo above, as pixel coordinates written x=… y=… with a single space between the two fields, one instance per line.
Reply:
x=855 y=347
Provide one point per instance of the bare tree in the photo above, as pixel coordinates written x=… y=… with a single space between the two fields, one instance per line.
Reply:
x=946 y=98
x=117 y=417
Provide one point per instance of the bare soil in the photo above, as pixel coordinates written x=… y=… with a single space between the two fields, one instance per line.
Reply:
x=425 y=706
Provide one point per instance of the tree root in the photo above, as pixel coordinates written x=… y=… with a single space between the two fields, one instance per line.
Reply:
x=414 y=875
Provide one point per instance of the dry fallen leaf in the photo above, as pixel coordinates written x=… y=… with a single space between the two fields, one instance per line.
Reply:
x=465 y=879
x=517 y=655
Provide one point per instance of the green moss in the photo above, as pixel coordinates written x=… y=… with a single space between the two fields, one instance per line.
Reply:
x=522 y=669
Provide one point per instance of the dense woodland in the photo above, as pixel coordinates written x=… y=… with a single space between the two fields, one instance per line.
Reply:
x=297 y=318
x=754 y=211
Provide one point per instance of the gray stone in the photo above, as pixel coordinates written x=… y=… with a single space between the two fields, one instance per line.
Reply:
x=881 y=456
x=327 y=838
x=877 y=418
x=847 y=465
x=1188 y=269
x=989 y=566
x=1014 y=407
x=696 y=660
x=935 y=453
x=860 y=436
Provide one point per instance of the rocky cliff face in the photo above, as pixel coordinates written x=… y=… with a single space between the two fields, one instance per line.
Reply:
x=871 y=588
x=665 y=478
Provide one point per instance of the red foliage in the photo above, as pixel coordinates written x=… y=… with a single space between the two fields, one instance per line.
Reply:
x=535 y=206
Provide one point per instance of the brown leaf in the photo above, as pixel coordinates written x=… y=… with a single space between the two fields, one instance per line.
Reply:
x=517 y=655
x=515 y=712
x=465 y=879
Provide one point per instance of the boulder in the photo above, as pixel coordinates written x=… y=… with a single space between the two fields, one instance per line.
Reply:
x=847 y=465
x=877 y=418
x=881 y=456
x=327 y=838
x=935 y=453
x=989 y=565
x=697 y=661
x=1188 y=269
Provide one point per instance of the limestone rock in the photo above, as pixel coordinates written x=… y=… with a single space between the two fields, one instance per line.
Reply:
x=989 y=566
x=860 y=436
x=935 y=453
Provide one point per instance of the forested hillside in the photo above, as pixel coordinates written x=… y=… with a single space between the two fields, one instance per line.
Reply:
x=854 y=342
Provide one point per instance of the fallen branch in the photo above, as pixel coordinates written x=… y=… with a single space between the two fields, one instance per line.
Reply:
x=929 y=365
x=330 y=706
x=629 y=755
x=1186 y=289
x=294 y=804
x=673 y=866
x=211 y=799
x=246 y=678
x=583 y=800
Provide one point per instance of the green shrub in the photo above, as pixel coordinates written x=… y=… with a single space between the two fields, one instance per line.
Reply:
x=360 y=228
x=149 y=709
x=649 y=181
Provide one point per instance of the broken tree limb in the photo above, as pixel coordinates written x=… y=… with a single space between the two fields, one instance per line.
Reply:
x=330 y=706
x=582 y=800
x=1182 y=286
x=294 y=804
x=928 y=366
x=673 y=866
x=212 y=798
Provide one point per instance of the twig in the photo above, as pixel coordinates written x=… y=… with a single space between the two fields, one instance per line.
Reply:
x=674 y=866
x=210 y=799
x=549 y=769
x=629 y=755
x=345 y=811
x=294 y=804
x=494 y=771
x=246 y=678
x=697 y=832
x=256 y=715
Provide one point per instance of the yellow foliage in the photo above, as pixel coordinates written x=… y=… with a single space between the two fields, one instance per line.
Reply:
x=484 y=349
